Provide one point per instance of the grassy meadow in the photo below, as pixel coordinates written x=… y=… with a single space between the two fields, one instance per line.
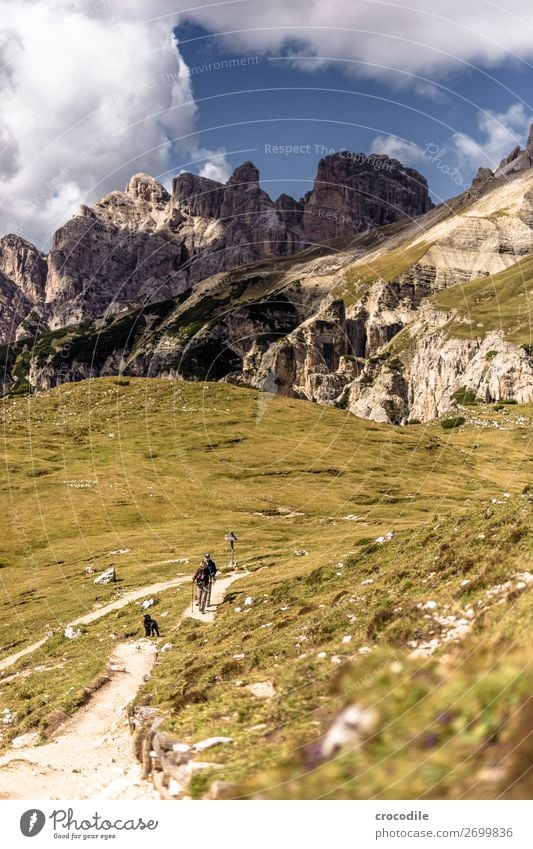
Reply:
x=146 y=474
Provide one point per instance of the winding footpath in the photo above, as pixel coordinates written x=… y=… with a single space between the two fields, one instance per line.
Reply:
x=98 y=613
x=91 y=755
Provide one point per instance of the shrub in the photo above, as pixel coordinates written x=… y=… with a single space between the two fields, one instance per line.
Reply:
x=21 y=388
x=465 y=396
x=395 y=364
x=454 y=421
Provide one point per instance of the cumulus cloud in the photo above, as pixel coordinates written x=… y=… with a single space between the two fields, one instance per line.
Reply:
x=377 y=35
x=501 y=132
x=216 y=168
x=90 y=92
x=407 y=152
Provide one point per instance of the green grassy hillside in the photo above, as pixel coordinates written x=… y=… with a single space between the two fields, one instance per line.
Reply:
x=343 y=634
x=143 y=474
x=501 y=302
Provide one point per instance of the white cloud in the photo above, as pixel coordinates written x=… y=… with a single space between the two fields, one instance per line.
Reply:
x=501 y=133
x=212 y=164
x=90 y=93
x=407 y=152
x=217 y=168
x=418 y=37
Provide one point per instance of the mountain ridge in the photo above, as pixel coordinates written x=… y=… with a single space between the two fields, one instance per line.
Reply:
x=362 y=322
x=145 y=244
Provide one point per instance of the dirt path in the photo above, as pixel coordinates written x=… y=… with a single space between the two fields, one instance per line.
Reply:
x=134 y=595
x=91 y=756
x=217 y=596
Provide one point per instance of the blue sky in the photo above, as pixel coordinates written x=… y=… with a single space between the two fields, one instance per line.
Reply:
x=250 y=103
x=94 y=91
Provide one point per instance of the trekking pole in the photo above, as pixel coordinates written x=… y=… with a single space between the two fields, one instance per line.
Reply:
x=192 y=597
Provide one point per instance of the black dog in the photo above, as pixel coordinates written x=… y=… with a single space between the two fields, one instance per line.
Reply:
x=151 y=628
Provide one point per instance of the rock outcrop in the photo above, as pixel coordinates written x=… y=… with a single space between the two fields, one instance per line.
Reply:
x=146 y=245
x=142 y=279
x=14 y=307
x=518 y=159
x=24 y=265
x=376 y=190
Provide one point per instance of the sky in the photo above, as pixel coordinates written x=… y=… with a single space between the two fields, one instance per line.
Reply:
x=94 y=91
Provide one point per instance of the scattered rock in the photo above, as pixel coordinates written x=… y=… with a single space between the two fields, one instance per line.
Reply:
x=385 y=537
x=249 y=601
x=181 y=747
x=166 y=647
x=301 y=553
x=107 y=577
x=209 y=742
x=71 y=634
x=29 y=739
x=262 y=690
x=148 y=603
x=351 y=726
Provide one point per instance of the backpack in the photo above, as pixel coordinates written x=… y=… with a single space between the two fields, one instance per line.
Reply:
x=202 y=577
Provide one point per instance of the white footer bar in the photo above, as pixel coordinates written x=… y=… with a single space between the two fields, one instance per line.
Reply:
x=269 y=825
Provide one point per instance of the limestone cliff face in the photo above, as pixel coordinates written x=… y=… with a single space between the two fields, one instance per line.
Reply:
x=98 y=264
x=146 y=275
x=440 y=371
x=374 y=190
x=145 y=245
x=14 y=307
x=24 y=265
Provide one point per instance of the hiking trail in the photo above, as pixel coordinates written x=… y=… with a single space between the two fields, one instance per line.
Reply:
x=91 y=755
x=97 y=613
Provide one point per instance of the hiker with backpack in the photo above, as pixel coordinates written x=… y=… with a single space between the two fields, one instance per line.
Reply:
x=201 y=580
x=212 y=569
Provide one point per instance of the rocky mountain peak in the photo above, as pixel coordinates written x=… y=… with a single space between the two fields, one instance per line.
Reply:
x=354 y=191
x=25 y=265
x=518 y=159
x=145 y=245
x=198 y=196
x=245 y=174
x=148 y=189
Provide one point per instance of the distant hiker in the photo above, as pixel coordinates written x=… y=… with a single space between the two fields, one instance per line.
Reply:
x=151 y=628
x=212 y=569
x=201 y=579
